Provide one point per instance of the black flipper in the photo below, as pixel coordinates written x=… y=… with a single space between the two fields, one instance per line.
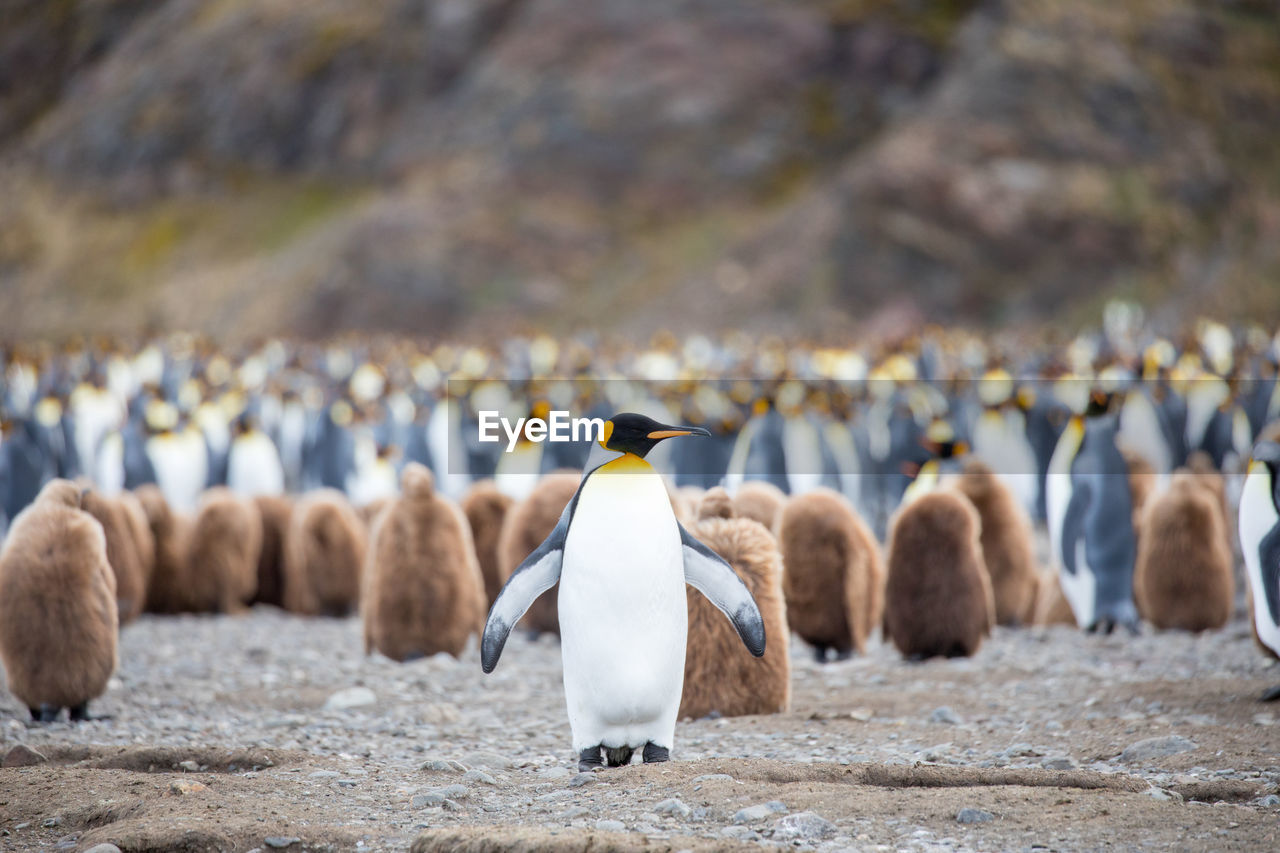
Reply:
x=538 y=573
x=708 y=573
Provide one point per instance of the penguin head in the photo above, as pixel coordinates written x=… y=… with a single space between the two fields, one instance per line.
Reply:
x=1267 y=453
x=1102 y=402
x=636 y=434
x=940 y=440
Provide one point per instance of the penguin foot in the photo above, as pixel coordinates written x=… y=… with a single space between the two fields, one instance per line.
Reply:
x=589 y=759
x=654 y=753
x=618 y=756
x=45 y=714
x=80 y=714
x=1270 y=695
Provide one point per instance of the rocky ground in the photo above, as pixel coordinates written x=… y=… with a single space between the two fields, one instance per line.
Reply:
x=265 y=730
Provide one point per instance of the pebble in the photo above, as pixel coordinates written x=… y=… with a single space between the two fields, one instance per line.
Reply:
x=183 y=787
x=347 y=783
x=968 y=815
x=673 y=807
x=1059 y=762
x=280 y=842
x=582 y=779
x=442 y=766
x=741 y=833
x=489 y=760
x=944 y=715
x=23 y=756
x=350 y=697
x=713 y=777
x=611 y=826
x=479 y=776
x=324 y=774
x=803 y=826
x=752 y=814
x=1164 y=795
x=422 y=801
x=105 y=847
x=189 y=766
x=455 y=792
x=1156 y=747
x=575 y=812
x=555 y=774
x=1269 y=800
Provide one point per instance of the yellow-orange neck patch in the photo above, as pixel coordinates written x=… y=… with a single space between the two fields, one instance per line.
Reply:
x=627 y=463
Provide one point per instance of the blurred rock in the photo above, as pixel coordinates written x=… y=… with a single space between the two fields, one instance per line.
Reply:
x=1156 y=747
x=257 y=167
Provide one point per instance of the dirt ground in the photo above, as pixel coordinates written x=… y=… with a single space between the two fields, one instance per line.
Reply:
x=268 y=731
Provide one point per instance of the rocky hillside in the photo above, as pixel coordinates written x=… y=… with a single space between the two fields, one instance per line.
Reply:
x=254 y=166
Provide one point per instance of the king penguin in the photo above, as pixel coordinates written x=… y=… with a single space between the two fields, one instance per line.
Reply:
x=1090 y=511
x=1260 y=542
x=622 y=560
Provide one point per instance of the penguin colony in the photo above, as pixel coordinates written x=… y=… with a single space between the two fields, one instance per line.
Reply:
x=218 y=482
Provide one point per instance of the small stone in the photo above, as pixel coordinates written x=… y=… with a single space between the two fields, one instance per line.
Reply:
x=189 y=766
x=422 y=801
x=582 y=779
x=862 y=715
x=555 y=774
x=1164 y=795
x=673 y=807
x=751 y=814
x=439 y=765
x=182 y=787
x=713 y=777
x=51 y=822
x=575 y=812
x=324 y=774
x=347 y=783
x=453 y=791
x=479 y=776
x=944 y=715
x=1269 y=800
x=104 y=847
x=350 y=697
x=1058 y=762
x=741 y=833
x=280 y=842
x=489 y=760
x=22 y=756
x=1156 y=747
x=974 y=816
x=803 y=826
x=452 y=805
x=611 y=826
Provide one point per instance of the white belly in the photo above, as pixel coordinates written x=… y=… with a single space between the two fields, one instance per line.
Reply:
x=623 y=617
